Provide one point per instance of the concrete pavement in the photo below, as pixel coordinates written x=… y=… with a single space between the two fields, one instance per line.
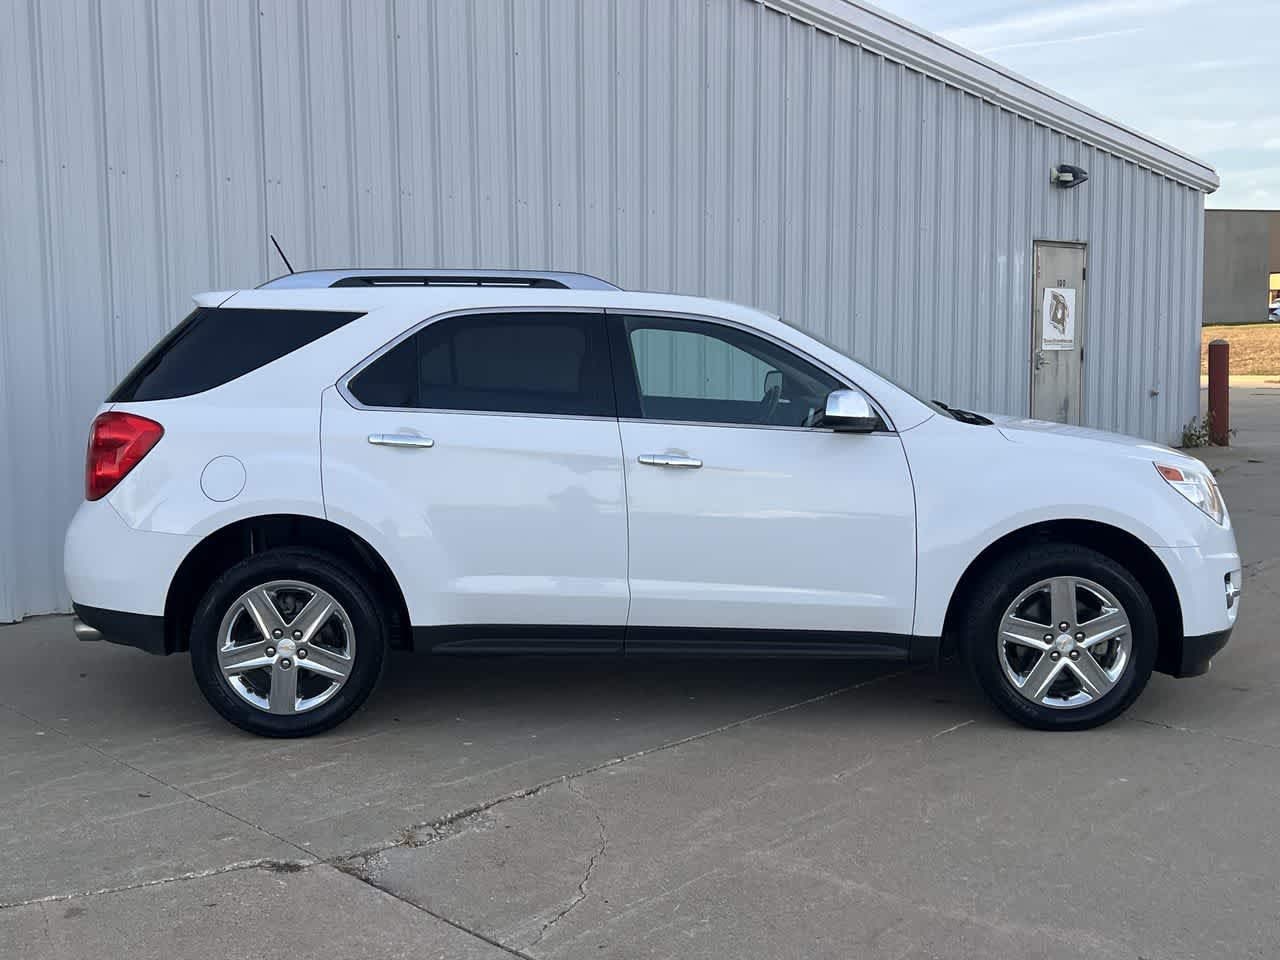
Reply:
x=522 y=808
x=1247 y=470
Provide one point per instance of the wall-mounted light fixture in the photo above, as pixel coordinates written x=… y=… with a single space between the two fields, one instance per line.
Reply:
x=1066 y=176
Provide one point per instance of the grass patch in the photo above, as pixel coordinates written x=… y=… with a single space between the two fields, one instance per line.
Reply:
x=1255 y=347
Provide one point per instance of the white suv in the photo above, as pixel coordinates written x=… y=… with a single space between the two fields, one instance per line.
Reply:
x=301 y=476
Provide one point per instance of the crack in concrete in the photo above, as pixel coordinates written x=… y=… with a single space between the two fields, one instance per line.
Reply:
x=361 y=865
x=274 y=866
x=897 y=749
x=581 y=893
x=449 y=825
x=462 y=928
x=952 y=729
x=1211 y=733
x=260 y=863
x=155 y=779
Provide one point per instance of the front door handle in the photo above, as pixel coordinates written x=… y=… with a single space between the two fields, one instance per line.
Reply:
x=669 y=460
x=400 y=440
x=1041 y=359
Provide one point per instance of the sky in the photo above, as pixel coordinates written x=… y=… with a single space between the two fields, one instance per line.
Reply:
x=1200 y=75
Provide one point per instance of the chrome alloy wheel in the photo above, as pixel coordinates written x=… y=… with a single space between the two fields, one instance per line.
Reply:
x=286 y=647
x=1064 y=642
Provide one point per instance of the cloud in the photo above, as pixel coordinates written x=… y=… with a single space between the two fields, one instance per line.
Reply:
x=1198 y=134
x=1255 y=188
x=1209 y=66
x=1049 y=25
x=1055 y=41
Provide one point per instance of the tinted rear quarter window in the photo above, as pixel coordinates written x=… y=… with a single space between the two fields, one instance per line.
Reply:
x=213 y=346
x=548 y=363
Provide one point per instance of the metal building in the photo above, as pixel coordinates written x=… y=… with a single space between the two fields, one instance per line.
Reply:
x=817 y=158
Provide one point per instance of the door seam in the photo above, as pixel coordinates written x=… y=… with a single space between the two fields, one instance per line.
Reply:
x=626 y=508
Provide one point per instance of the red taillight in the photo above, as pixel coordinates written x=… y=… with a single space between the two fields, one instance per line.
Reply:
x=117 y=441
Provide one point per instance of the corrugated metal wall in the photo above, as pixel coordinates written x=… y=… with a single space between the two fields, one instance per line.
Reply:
x=714 y=147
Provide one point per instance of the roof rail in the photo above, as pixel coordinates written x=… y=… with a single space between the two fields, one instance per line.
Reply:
x=408 y=277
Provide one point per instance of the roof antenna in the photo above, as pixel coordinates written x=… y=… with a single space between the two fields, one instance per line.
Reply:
x=281 y=252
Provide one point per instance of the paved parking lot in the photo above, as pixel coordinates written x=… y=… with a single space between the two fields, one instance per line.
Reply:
x=516 y=808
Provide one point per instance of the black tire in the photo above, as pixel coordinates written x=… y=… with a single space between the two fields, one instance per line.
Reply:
x=312 y=567
x=999 y=586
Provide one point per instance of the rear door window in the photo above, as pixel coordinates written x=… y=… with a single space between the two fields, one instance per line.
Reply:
x=215 y=345
x=520 y=362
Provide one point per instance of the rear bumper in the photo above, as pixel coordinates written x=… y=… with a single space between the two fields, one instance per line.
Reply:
x=111 y=566
x=139 y=630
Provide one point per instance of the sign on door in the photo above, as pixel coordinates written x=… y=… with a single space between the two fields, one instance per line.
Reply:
x=1058 y=319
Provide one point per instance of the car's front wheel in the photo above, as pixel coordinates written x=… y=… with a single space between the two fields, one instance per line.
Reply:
x=287 y=643
x=1060 y=637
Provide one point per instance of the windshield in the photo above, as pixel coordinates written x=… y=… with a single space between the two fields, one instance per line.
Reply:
x=931 y=404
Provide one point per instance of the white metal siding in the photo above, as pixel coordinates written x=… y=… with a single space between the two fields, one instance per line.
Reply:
x=717 y=147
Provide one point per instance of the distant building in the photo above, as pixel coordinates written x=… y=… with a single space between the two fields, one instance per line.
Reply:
x=1241 y=264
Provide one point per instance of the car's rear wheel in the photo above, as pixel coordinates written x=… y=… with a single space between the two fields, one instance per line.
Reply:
x=287 y=643
x=1060 y=637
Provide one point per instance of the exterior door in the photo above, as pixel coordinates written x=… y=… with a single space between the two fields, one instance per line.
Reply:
x=1057 y=331
x=741 y=514
x=480 y=456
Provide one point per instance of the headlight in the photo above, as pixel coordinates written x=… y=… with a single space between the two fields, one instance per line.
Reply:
x=1198 y=486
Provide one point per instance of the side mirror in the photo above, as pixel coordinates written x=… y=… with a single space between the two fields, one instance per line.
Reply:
x=848 y=411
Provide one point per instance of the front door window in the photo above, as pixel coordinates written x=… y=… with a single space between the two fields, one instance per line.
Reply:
x=700 y=372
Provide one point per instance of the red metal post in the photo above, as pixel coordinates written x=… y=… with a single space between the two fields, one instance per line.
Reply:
x=1219 y=392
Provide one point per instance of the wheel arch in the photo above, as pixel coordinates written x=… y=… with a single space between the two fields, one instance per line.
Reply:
x=248 y=536
x=1120 y=545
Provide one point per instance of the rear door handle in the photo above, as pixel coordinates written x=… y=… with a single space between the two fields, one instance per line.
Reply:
x=400 y=440
x=669 y=460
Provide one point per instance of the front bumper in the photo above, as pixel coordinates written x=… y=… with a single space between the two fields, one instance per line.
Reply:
x=1192 y=657
x=1208 y=581
x=1200 y=576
